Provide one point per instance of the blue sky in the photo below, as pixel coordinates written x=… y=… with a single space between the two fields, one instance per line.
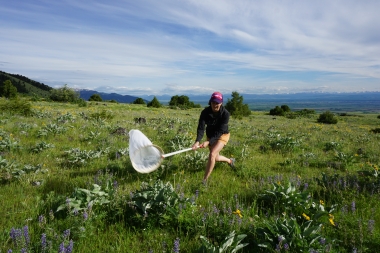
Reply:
x=176 y=47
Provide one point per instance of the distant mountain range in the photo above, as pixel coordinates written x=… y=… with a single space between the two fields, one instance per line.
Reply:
x=361 y=101
x=86 y=94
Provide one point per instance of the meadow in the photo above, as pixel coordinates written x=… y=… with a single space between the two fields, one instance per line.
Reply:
x=67 y=183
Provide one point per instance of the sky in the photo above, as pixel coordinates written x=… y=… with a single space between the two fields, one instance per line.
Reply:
x=181 y=47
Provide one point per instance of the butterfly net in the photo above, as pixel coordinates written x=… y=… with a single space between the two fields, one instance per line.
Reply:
x=145 y=157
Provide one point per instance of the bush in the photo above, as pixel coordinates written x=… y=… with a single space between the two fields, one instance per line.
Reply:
x=95 y=97
x=64 y=94
x=182 y=102
x=378 y=116
x=139 y=101
x=16 y=106
x=327 y=118
x=277 y=111
x=236 y=107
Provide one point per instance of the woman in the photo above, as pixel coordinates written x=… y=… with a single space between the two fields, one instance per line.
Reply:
x=216 y=118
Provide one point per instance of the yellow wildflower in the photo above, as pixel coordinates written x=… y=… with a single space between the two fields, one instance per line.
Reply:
x=322 y=202
x=331 y=219
x=305 y=216
x=237 y=212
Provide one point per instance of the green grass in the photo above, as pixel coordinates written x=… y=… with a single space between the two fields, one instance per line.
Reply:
x=268 y=152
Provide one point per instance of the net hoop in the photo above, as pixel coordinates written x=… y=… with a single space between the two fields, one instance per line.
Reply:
x=147 y=159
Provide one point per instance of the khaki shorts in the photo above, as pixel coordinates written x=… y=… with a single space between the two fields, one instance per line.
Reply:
x=224 y=138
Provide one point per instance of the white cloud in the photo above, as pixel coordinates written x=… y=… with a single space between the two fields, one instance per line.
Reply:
x=194 y=46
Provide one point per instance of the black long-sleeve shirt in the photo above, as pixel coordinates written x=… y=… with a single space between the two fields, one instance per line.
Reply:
x=217 y=124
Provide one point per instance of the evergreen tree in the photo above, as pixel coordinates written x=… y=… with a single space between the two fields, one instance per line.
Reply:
x=8 y=90
x=154 y=103
x=236 y=107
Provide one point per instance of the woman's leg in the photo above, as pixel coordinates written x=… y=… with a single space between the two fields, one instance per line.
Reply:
x=214 y=157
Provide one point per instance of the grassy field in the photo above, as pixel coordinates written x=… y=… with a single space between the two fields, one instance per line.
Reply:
x=67 y=183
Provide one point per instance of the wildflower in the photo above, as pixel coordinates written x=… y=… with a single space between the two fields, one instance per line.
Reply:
x=66 y=233
x=322 y=202
x=331 y=219
x=237 y=212
x=85 y=215
x=353 y=206
x=176 y=245
x=61 y=248
x=371 y=226
x=43 y=242
x=69 y=247
x=26 y=236
x=305 y=216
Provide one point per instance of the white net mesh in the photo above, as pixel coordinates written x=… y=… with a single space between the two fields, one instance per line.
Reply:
x=145 y=156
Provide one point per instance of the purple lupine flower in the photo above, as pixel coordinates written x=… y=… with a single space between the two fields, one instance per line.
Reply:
x=75 y=212
x=353 y=206
x=23 y=250
x=371 y=226
x=66 y=233
x=43 y=242
x=115 y=184
x=305 y=186
x=322 y=241
x=278 y=247
x=26 y=236
x=16 y=235
x=196 y=194
x=286 y=246
x=354 y=250
x=215 y=209
x=10 y=251
x=61 y=248
x=176 y=245
x=85 y=215
x=280 y=238
x=69 y=247
x=41 y=219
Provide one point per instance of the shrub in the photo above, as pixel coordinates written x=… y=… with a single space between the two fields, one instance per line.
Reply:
x=182 y=102
x=95 y=97
x=327 y=118
x=16 y=106
x=139 y=101
x=378 y=116
x=277 y=111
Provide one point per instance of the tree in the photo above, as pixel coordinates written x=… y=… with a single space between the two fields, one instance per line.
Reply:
x=8 y=90
x=95 y=97
x=182 y=102
x=64 y=94
x=139 y=101
x=154 y=103
x=236 y=107
x=285 y=108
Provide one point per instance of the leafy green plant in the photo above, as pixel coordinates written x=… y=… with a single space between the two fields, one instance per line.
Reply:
x=232 y=243
x=158 y=201
x=284 y=144
x=41 y=146
x=287 y=235
x=194 y=160
x=16 y=106
x=78 y=157
x=103 y=115
x=51 y=129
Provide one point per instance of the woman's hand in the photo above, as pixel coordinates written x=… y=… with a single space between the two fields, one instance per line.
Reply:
x=204 y=144
x=195 y=145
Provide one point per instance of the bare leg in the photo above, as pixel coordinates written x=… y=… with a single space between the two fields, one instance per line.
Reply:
x=214 y=157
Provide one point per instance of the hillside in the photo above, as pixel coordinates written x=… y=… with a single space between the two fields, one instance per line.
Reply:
x=25 y=85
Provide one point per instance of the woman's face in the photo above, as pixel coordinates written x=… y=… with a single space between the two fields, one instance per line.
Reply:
x=215 y=106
